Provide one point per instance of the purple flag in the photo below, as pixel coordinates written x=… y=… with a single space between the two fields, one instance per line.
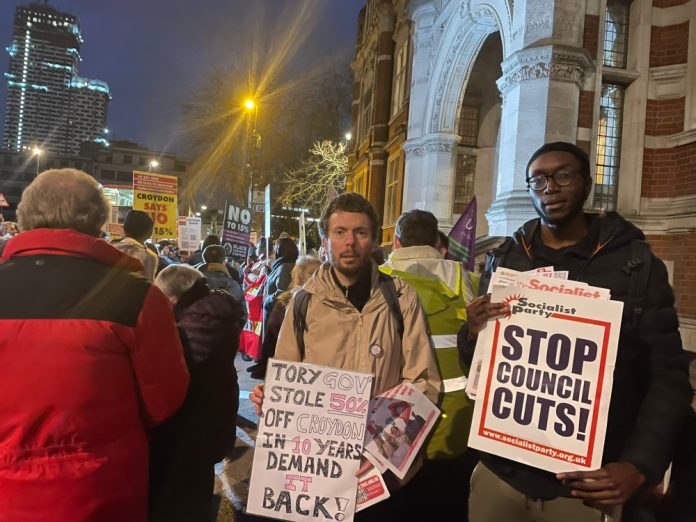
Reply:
x=462 y=237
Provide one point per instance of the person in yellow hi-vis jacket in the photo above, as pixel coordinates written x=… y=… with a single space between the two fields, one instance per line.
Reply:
x=444 y=288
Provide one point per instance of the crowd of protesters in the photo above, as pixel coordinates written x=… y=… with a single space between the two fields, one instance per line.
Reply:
x=119 y=391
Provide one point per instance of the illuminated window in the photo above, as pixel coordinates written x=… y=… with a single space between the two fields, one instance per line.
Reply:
x=468 y=125
x=399 y=80
x=464 y=177
x=391 y=192
x=608 y=145
x=616 y=33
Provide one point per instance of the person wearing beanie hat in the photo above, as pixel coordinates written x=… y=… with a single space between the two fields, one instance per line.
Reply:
x=650 y=397
x=137 y=228
x=138 y=225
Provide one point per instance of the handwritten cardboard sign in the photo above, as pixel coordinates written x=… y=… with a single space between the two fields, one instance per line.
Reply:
x=309 y=443
x=546 y=379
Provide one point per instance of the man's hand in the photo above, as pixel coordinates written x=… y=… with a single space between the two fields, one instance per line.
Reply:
x=256 y=396
x=610 y=485
x=479 y=311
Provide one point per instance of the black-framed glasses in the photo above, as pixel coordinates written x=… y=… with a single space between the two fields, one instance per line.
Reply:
x=560 y=178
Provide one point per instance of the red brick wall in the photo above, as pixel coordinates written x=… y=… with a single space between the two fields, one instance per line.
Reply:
x=664 y=117
x=591 y=34
x=669 y=172
x=669 y=45
x=680 y=248
x=585 y=108
x=669 y=3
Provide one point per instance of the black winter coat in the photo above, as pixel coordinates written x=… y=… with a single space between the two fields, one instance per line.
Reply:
x=209 y=325
x=651 y=393
x=277 y=282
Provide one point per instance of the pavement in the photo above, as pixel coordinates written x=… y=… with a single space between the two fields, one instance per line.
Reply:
x=233 y=473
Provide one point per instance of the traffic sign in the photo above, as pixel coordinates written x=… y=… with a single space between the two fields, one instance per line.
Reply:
x=258 y=208
x=4 y=203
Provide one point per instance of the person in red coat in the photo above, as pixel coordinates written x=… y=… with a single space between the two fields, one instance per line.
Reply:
x=90 y=361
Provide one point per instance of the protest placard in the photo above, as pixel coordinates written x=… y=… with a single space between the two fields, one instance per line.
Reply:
x=189 y=233
x=399 y=421
x=546 y=379
x=156 y=194
x=236 y=231
x=309 y=443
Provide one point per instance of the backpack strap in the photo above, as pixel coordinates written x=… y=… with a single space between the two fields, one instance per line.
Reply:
x=391 y=296
x=638 y=269
x=299 y=314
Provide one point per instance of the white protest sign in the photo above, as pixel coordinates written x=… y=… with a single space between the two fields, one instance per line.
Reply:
x=189 y=233
x=309 y=443
x=546 y=379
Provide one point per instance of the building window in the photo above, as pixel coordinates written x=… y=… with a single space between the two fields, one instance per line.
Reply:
x=359 y=184
x=608 y=145
x=616 y=33
x=391 y=192
x=464 y=177
x=365 y=112
x=399 y=81
x=468 y=125
x=127 y=160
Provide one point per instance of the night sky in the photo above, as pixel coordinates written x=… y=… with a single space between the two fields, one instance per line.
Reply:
x=154 y=53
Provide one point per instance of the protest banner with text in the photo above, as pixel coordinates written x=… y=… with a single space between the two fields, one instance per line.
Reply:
x=236 y=231
x=309 y=443
x=156 y=194
x=546 y=379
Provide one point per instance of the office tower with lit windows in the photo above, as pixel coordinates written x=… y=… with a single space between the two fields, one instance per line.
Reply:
x=48 y=104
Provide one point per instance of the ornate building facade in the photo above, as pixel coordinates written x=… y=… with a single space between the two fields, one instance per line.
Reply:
x=486 y=82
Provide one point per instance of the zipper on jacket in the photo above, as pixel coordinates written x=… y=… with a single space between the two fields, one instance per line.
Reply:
x=360 y=322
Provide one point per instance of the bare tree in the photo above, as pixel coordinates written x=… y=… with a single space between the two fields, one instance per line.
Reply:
x=322 y=173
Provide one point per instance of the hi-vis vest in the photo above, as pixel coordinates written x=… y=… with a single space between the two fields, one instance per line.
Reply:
x=446 y=311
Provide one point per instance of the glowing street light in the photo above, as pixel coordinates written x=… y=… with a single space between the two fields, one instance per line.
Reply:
x=154 y=164
x=348 y=136
x=249 y=104
x=37 y=152
x=204 y=207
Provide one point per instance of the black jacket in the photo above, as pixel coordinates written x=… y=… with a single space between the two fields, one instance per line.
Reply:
x=277 y=282
x=651 y=393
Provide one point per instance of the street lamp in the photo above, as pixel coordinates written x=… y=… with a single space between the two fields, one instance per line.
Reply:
x=37 y=152
x=249 y=105
x=154 y=164
x=348 y=136
x=204 y=207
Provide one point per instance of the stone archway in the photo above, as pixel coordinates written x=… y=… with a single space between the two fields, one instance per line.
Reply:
x=543 y=70
x=446 y=46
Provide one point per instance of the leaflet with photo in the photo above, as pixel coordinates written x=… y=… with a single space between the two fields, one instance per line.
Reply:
x=398 y=422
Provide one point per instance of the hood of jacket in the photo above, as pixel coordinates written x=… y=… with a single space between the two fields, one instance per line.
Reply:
x=424 y=261
x=214 y=267
x=68 y=242
x=614 y=232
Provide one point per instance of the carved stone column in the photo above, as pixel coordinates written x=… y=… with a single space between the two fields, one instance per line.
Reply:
x=429 y=176
x=540 y=88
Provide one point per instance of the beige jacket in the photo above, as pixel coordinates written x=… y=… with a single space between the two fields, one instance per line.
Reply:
x=135 y=249
x=340 y=336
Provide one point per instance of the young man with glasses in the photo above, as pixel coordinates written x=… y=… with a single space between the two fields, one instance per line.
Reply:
x=651 y=393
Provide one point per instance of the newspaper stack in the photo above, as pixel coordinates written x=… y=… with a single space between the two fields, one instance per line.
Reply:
x=398 y=423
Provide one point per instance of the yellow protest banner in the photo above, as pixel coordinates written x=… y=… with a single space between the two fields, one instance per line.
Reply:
x=156 y=194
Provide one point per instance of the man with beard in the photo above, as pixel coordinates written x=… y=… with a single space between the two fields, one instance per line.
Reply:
x=651 y=394
x=349 y=322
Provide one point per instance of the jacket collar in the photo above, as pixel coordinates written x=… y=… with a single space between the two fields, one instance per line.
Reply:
x=67 y=242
